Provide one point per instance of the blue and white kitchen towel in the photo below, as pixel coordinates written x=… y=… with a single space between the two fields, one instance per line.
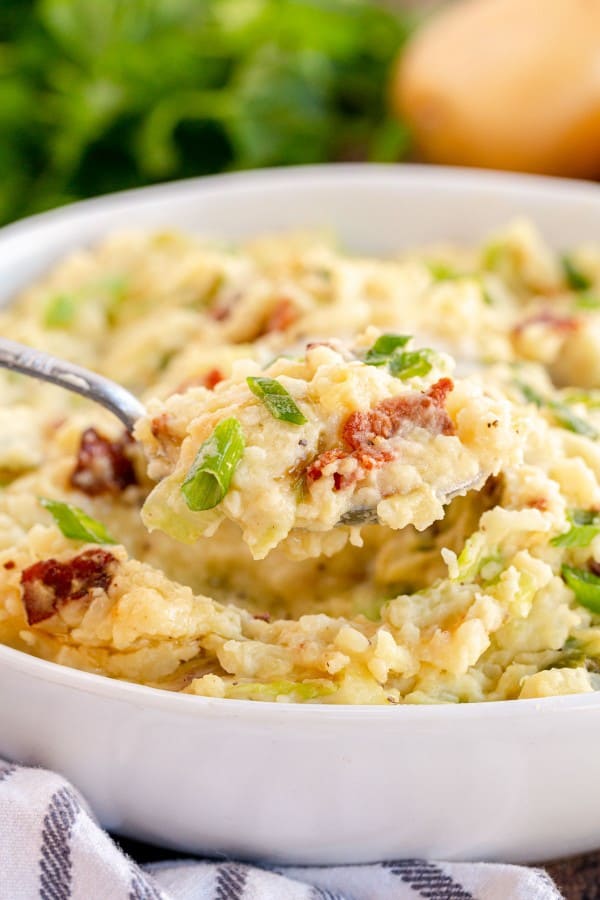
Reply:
x=52 y=848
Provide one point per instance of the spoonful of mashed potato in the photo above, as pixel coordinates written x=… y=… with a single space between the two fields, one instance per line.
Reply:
x=305 y=451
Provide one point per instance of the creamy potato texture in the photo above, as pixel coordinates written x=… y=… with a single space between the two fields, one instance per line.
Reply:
x=363 y=441
x=289 y=385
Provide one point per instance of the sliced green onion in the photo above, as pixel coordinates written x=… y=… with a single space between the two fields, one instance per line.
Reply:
x=411 y=363
x=563 y=414
x=210 y=475
x=384 y=347
x=278 y=401
x=585 y=300
x=486 y=297
x=116 y=287
x=442 y=271
x=585 y=526
x=591 y=399
x=75 y=524
x=60 y=311
x=575 y=278
x=297 y=690
x=585 y=585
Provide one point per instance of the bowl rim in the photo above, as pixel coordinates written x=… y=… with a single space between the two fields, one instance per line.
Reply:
x=412 y=173
x=174 y=702
x=171 y=701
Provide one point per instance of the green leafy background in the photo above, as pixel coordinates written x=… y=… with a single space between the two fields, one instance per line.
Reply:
x=100 y=95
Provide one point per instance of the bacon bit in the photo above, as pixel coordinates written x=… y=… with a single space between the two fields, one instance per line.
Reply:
x=282 y=316
x=264 y=617
x=423 y=410
x=220 y=313
x=312 y=344
x=103 y=466
x=362 y=431
x=209 y=380
x=159 y=426
x=561 y=324
x=9 y=564
x=538 y=503
x=50 y=584
x=315 y=470
x=212 y=379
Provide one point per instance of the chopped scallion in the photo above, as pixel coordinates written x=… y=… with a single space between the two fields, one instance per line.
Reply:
x=575 y=278
x=584 y=528
x=442 y=271
x=585 y=585
x=75 y=524
x=563 y=414
x=384 y=347
x=210 y=475
x=411 y=363
x=586 y=300
x=60 y=311
x=278 y=401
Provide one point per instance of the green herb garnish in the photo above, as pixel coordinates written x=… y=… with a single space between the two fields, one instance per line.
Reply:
x=442 y=271
x=591 y=399
x=411 y=363
x=585 y=585
x=563 y=414
x=384 y=348
x=585 y=526
x=210 y=475
x=585 y=300
x=300 y=690
x=75 y=524
x=575 y=278
x=388 y=350
x=171 y=88
x=278 y=401
x=60 y=311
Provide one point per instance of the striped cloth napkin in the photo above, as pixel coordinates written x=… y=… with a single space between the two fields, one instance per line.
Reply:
x=52 y=848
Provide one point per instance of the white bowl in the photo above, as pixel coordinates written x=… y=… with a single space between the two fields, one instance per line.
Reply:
x=313 y=784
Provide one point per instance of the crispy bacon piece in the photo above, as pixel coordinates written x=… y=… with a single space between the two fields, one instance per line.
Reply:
x=282 y=316
x=212 y=378
x=209 y=380
x=561 y=324
x=538 y=503
x=362 y=431
x=103 y=466
x=423 y=410
x=49 y=584
x=220 y=313
x=159 y=426
x=315 y=470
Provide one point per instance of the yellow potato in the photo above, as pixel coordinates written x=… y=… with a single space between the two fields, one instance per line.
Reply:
x=506 y=84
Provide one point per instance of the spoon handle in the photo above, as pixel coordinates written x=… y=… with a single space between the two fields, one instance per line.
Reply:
x=37 y=364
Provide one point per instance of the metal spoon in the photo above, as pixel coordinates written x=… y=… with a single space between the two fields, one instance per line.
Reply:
x=364 y=515
x=38 y=364
x=119 y=401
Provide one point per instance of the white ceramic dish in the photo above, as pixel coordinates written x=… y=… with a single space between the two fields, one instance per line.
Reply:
x=313 y=784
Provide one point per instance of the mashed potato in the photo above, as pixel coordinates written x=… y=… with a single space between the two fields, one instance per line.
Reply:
x=291 y=390
x=310 y=443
